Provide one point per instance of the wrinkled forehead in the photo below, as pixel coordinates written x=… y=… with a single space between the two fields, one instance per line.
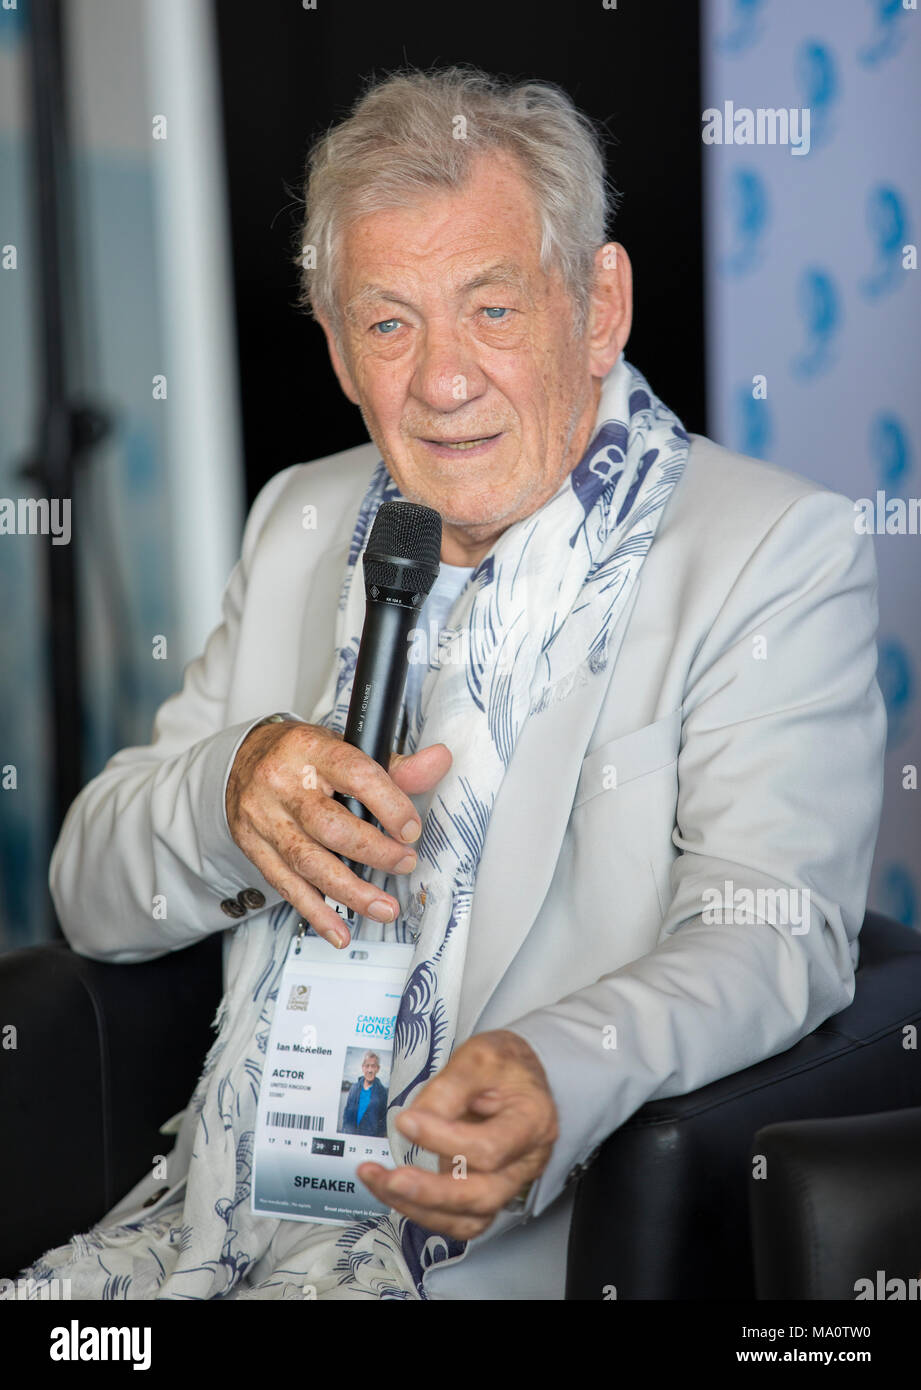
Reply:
x=486 y=232
x=398 y=287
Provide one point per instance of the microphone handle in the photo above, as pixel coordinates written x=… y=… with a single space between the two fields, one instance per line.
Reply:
x=377 y=692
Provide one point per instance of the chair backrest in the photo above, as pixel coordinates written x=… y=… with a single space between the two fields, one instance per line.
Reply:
x=839 y=1213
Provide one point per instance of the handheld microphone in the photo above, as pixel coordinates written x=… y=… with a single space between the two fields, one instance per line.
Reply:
x=401 y=563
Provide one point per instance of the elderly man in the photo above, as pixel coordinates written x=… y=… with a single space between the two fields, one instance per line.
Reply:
x=366 y=1107
x=629 y=834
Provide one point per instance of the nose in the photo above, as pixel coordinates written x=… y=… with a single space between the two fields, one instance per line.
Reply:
x=446 y=375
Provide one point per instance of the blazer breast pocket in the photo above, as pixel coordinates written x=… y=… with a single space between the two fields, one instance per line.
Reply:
x=625 y=759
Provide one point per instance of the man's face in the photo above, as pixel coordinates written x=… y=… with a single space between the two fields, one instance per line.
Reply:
x=459 y=350
x=370 y=1067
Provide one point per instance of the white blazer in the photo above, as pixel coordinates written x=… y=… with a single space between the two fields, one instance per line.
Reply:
x=737 y=740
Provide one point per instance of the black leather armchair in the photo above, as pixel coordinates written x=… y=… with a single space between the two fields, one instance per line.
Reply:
x=106 y=1053
x=663 y=1213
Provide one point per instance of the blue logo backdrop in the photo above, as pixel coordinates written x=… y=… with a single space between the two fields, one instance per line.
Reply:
x=813 y=288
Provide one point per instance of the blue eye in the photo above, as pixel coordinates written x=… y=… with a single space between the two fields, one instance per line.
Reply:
x=383 y=325
x=492 y=312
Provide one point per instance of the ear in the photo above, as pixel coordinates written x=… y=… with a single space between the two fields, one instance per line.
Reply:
x=343 y=376
x=610 y=314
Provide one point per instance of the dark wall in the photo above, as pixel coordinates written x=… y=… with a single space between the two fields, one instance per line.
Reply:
x=287 y=73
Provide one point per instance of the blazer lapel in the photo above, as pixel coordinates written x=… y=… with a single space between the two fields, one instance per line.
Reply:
x=526 y=830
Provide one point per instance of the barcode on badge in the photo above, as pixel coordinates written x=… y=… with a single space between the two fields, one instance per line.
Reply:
x=278 y=1120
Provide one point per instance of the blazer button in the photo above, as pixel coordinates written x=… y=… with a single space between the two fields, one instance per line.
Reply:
x=232 y=908
x=251 y=898
x=578 y=1170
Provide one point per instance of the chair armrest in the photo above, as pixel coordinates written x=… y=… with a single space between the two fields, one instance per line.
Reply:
x=841 y=1201
x=104 y=1055
x=663 y=1211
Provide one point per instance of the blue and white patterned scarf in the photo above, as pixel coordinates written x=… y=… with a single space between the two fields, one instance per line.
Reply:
x=532 y=623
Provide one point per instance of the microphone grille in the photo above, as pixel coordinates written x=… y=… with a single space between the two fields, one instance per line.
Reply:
x=404 y=548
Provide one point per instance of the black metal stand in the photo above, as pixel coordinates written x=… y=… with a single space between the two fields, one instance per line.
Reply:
x=66 y=430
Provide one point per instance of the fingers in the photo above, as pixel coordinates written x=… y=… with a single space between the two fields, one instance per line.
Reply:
x=487 y=1145
x=483 y=1165
x=474 y=1068
x=355 y=774
x=462 y=1207
x=281 y=762
x=305 y=873
x=420 y=771
x=280 y=808
x=281 y=812
x=496 y=1065
x=334 y=828
x=315 y=857
x=487 y=1106
x=303 y=897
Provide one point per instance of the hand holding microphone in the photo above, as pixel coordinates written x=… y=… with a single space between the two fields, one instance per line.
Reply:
x=309 y=840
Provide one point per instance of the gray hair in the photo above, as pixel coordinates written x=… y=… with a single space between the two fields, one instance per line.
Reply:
x=367 y=1055
x=415 y=132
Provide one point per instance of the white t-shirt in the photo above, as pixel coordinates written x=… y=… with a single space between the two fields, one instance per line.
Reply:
x=432 y=618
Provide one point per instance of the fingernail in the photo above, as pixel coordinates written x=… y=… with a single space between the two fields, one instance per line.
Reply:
x=410 y=830
x=405 y=864
x=381 y=911
x=338 y=938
